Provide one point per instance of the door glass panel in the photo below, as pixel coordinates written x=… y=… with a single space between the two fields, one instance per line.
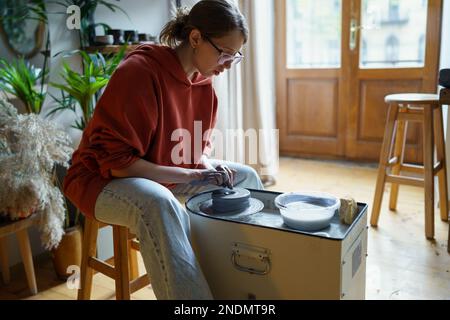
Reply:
x=313 y=33
x=393 y=33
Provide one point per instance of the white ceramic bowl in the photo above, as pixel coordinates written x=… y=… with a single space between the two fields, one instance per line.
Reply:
x=307 y=211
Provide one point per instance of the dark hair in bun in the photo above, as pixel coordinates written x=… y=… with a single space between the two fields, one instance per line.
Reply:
x=214 y=19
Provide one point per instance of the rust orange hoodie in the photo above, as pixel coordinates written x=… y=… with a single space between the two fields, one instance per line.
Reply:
x=148 y=97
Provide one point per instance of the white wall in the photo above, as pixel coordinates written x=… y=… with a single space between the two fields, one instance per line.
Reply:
x=147 y=16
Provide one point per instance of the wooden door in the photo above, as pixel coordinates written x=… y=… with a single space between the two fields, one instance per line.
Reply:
x=338 y=59
x=310 y=88
x=394 y=69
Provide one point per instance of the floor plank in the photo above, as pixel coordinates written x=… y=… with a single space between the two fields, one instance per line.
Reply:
x=402 y=263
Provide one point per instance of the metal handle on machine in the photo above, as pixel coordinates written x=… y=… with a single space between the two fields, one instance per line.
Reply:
x=261 y=256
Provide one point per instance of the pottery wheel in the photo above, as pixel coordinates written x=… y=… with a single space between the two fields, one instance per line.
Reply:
x=231 y=201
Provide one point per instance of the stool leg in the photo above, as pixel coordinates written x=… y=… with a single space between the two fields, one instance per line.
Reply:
x=399 y=150
x=440 y=152
x=384 y=158
x=448 y=241
x=428 y=156
x=27 y=258
x=89 y=250
x=4 y=259
x=122 y=279
x=133 y=262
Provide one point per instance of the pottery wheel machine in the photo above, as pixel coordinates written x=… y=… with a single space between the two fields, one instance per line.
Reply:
x=255 y=244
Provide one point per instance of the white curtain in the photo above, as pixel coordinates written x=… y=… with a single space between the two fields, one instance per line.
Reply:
x=258 y=82
x=247 y=92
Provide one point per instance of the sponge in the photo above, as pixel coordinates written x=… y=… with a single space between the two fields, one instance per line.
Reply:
x=348 y=210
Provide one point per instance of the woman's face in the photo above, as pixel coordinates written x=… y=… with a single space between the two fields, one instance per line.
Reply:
x=208 y=52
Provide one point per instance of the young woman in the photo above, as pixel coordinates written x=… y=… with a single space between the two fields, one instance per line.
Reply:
x=124 y=171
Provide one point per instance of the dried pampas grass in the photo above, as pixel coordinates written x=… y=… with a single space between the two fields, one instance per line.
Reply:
x=29 y=149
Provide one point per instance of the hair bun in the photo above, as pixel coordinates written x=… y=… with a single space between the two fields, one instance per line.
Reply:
x=181 y=22
x=213 y=18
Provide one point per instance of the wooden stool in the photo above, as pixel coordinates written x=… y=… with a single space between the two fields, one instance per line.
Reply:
x=445 y=100
x=424 y=108
x=125 y=270
x=20 y=228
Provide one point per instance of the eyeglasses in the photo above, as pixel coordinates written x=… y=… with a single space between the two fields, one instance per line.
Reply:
x=226 y=57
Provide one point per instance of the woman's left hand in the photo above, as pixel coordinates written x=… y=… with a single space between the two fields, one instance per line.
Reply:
x=228 y=175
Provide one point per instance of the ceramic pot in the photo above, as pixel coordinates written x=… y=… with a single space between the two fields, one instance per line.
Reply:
x=68 y=252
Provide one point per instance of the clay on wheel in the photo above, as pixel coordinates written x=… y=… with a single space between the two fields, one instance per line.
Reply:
x=230 y=200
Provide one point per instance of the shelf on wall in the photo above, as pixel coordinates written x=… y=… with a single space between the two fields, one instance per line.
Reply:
x=111 y=49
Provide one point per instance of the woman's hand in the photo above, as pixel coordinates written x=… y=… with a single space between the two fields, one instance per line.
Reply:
x=221 y=176
x=203 y=177
x=230 y=175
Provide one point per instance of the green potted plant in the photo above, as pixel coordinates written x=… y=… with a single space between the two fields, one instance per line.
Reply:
x=80 y=89
x=21 y=79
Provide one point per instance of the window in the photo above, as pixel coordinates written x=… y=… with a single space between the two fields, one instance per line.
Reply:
x=392 y=49
x=394 y=10
x=421 y=53
x=313 y=33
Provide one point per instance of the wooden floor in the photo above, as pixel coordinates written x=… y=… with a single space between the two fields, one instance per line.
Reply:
x=402 y=264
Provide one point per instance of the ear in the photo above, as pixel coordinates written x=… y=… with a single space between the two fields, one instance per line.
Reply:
x=195 y=38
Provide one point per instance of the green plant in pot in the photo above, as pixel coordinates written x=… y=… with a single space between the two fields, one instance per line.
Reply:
x=81 y=89
x=21 y=79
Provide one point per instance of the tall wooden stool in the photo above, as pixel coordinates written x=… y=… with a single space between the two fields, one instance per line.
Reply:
x=426 y=109
x=445 y=100
x=20 y=228
x=125 y=270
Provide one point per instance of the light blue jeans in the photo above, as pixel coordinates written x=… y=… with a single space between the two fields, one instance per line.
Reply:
x=160 y=221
